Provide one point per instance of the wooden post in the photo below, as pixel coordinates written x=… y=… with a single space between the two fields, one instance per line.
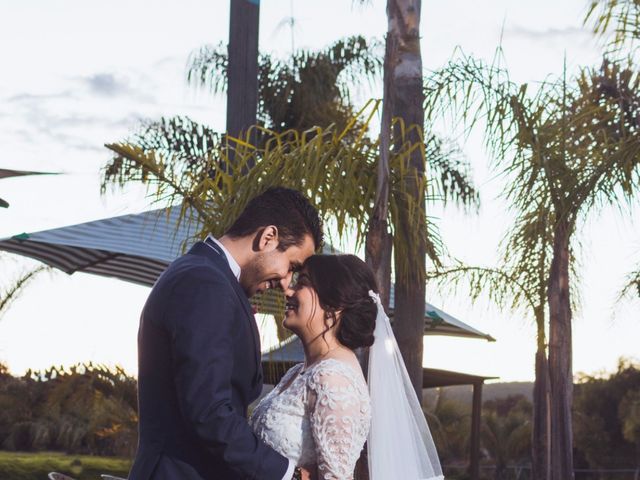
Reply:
x=242 y=71
x=474 y=465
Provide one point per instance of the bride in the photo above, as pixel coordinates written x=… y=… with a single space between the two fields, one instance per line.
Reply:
x=323 y=410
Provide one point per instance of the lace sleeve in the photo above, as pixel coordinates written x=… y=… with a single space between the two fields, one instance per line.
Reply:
x=340 y=418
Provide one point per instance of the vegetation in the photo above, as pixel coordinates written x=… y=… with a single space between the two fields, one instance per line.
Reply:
x=87 y=409
x=606 y=425
x=55 y=418
x=607 y=418
x=29 y=466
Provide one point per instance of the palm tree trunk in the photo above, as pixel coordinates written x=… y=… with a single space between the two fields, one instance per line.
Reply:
x=242 y=70
x=560 y=367
x=379 y=240
x=540 y=441
x=407 y=101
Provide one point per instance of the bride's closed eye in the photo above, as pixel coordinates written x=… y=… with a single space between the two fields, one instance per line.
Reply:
x=299 y=280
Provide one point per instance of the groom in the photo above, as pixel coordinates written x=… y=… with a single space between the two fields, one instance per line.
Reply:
x=199 y=350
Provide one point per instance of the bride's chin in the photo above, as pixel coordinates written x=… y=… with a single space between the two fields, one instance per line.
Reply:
x=288 y=324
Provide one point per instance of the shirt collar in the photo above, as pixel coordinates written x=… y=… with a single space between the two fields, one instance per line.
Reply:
x=235 y=268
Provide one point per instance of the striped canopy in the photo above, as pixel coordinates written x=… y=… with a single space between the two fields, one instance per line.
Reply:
x=137 y=248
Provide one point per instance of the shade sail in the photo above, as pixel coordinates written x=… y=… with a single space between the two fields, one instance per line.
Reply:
x=5 y=173
x=137 y=248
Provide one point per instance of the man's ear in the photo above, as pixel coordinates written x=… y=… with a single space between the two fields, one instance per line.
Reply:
x=266 y=239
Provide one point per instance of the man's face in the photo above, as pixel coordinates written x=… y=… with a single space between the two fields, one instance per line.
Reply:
x=271 y=267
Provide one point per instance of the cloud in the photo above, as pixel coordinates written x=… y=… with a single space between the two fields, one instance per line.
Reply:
x=107 y=84
x=136 y=87
x=40 y=97
x=75 y=121
x=547 y=33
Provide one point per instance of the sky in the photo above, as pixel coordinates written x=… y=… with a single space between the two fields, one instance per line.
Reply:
x=79 y=74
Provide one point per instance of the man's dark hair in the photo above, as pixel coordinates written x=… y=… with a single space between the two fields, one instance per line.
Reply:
x=288 y=210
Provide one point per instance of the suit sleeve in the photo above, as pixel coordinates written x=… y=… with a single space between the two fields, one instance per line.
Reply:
x=201 y=323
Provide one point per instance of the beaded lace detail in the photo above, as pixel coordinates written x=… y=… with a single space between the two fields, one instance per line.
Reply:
x=321 y=418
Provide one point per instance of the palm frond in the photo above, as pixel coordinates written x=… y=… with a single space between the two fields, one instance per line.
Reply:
x=451 y=177
x=9 y=295
x=468 y=91
x=502 y=287
x=311 y=89
x=335 y=168
x=207 y=68
x=617 y=21
x=631 y=286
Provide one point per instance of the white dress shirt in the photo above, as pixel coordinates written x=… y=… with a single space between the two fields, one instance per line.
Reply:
x=235 y=268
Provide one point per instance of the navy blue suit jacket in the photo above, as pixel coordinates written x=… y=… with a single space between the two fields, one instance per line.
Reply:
x=198 y=370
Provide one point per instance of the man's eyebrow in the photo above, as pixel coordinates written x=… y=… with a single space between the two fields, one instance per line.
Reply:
x=295 y=266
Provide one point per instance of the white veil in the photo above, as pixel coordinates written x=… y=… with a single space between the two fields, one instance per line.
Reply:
x=400 y=443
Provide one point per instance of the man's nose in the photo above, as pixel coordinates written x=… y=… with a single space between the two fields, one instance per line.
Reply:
x=285 y=284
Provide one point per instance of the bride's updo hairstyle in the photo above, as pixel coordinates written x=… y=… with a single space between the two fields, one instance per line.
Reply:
x=342 y=283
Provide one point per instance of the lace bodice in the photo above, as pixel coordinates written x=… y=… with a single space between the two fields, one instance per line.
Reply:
x=320 y=416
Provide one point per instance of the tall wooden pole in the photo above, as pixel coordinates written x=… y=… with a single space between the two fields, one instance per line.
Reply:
x=242 y=71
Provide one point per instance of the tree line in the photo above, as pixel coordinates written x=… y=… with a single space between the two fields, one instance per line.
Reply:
x=91 y=409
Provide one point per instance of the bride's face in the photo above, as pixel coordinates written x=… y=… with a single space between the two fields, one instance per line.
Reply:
x=303 y=314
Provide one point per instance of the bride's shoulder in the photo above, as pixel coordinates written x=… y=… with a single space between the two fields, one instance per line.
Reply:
x=333 y=372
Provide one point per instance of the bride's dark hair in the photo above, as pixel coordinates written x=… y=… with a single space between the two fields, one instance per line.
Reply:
x=342 y=283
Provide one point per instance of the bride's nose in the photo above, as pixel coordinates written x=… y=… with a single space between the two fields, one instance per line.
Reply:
x=289 y=291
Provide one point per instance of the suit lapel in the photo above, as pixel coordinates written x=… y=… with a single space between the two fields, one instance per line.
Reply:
x=219 y=259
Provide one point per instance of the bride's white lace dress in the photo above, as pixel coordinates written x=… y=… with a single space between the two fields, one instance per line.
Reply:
x=321 y=417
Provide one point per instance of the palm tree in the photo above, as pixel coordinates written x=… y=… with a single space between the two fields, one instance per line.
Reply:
x=565 y=151
x=402 y=125
x=618 y=22
x=335 y=167
x=179 y=161
x=519 y=286
x=310 y=89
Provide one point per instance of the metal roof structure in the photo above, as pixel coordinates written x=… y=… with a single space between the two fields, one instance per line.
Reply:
x=277 y=361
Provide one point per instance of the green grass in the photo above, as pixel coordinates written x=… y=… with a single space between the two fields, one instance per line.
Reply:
x=36 y=466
